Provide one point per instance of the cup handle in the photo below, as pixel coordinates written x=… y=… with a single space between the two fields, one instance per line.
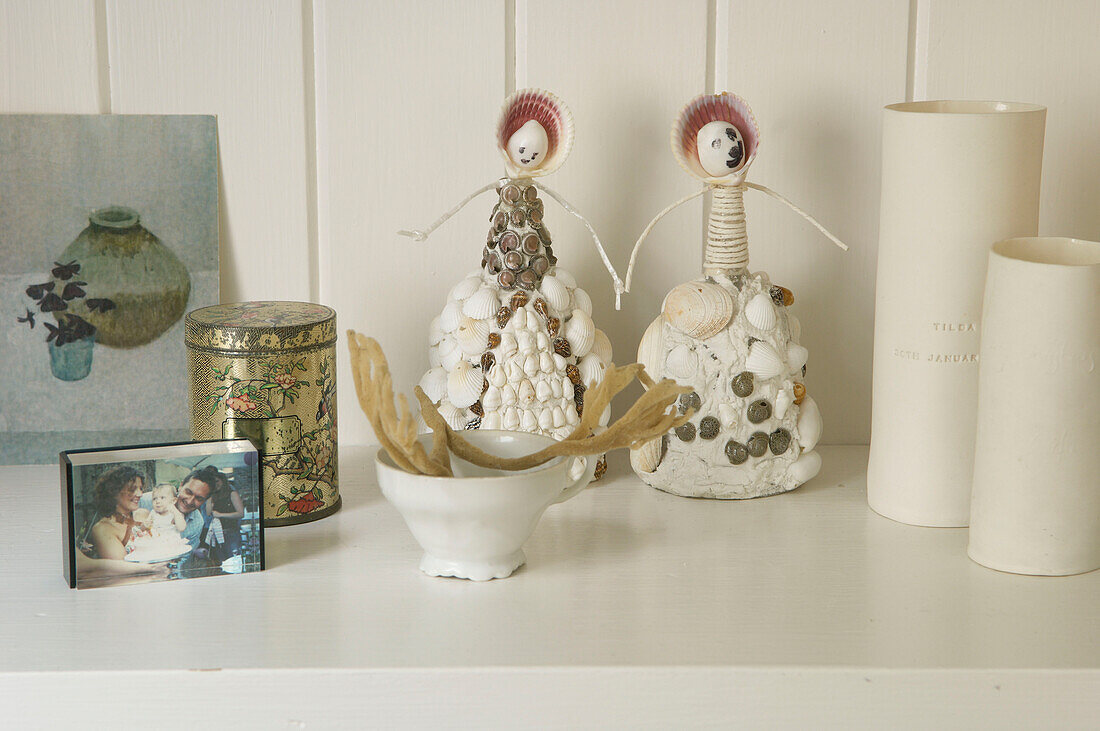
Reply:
x=581 y=482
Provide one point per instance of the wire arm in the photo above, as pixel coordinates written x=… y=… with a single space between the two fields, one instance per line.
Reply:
x=799 y=211
x=645 y=233
x=419 y=235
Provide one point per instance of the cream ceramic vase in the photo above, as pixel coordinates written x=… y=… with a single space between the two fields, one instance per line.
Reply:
x=956 y=176
x=1035 y=507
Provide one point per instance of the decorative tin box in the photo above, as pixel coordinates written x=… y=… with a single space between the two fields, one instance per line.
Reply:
x=267 y=371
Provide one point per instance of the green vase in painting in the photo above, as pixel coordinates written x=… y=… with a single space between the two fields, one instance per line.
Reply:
x=125 y=263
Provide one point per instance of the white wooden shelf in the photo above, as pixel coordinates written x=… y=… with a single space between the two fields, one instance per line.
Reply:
x=636 y=609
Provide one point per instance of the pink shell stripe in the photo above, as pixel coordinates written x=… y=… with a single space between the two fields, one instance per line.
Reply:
x=708 y=108
x=535 y=105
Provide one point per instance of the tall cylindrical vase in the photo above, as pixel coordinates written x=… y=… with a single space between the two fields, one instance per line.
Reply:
x=1036 y=500
x=956 y=176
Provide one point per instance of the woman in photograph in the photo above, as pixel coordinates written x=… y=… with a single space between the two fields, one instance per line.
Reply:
x=227 y=507
x=116 y=494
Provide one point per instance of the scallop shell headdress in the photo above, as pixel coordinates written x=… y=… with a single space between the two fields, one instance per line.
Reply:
x=702 y=110
x=549 y=111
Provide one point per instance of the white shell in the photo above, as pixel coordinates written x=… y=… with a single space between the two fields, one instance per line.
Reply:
x=760 y=312
x=559 y=362
x=519 y=320
x=421 y=425
x=546 y=419
x=525 y=341
x=435 y=332
x=434 y=383
x=558 y=417
x=498 y=377
x=556 y=294
x=582 y=301
x=546 y=362
x=795 y=325
x=566 y=388
x=651 y=349
x=543 y=392
x=763 y=361
x=681 y=362
x=555 y=387
x=491 y=399
x=464 y=385
x=515 y=371
x=510 y=420
x=491 y=420
x=507 y=395
x=566 y=278
x=591 y=370
x=647 y=457
x=528 y=145
x=542 y=341
x=449 y=354
x=581 y=333
x=525 y=394
x=571 y=415
x=728 y=415
x=434 y=361
x=796 y=356
x=527 y=421
x=472 y=336
x=601 y=346
x=465 y=288
x=698 y=309
x=482 y=304
x=531 y=365
x=809 y=424
x=508 y=344
x=451 y=316
x=455 y=417
x=720 y=148
x=805 y=468
x=783 y=401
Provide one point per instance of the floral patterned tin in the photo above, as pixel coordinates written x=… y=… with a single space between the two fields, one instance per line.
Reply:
x=267 y=371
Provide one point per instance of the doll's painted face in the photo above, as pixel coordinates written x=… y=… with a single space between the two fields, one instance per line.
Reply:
x=720 y=147
x=528 y=146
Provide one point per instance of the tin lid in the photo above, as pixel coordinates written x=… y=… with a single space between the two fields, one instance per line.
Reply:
x=260 y=327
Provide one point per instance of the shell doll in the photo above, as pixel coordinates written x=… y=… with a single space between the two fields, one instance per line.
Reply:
x=515 y=346
x=730 y=335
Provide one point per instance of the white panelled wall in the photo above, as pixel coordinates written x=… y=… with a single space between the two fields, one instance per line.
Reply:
x=341 y=121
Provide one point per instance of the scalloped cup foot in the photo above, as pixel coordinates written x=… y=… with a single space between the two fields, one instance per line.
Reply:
x=498 y=568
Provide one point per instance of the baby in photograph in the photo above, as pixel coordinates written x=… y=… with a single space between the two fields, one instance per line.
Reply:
x=165 y=519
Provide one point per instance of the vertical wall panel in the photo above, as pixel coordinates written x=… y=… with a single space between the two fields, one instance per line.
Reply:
x=407 y=98
x=817 y=76
x=1044 y=53
x=624 y=68
x=48 y=57
x=241 y=61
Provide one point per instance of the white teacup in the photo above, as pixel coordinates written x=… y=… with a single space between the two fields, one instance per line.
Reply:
x=474 y=525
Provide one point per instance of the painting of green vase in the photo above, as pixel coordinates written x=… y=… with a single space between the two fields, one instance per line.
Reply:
x=108 y=235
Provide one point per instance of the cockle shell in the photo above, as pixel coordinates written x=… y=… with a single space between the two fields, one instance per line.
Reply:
x=651 y=348
x=464 y=384
x=434 y=360
x=465 y=288
x=698 y=309
x=795 y=325
x=581 y=333
x=451 y=316
x=805 y=468
x=591 y=370
x=601 y=346
x=809 y=424
x=556 y=294
x=582 y=301
x=434 y=383
x=796 y=356
x=699 y=112
x=681 y=362
x=454 y=416
x=471 y=335
x=435 y=332
x=449 y=354
x=760 y=312
x=482 y=304
x=763 y=361
x=647 y=458
x=551 y=114
x=566 y=278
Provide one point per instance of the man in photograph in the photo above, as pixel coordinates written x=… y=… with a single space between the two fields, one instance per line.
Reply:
x=193 y=493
